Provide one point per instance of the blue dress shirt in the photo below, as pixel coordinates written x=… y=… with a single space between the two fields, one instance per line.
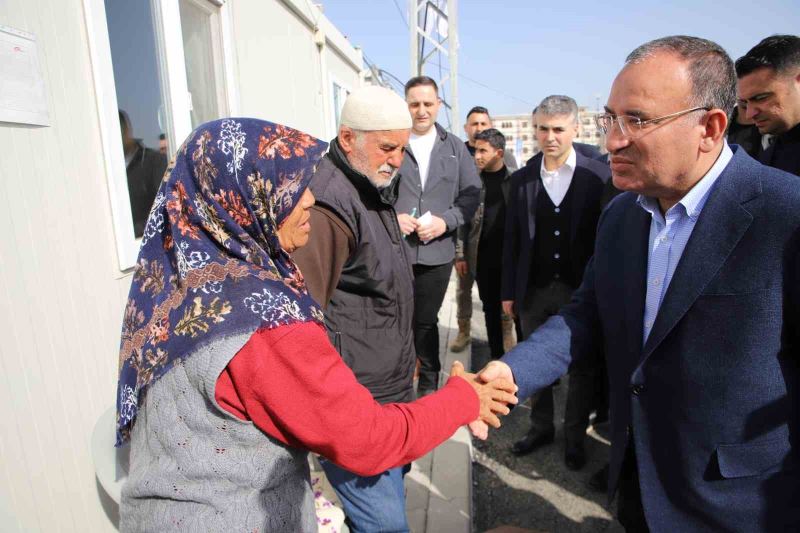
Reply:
x=669 y=234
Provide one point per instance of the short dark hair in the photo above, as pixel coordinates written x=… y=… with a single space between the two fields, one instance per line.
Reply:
x=492 y=136
x=418 y=81
x=478 y=109
x=162 y=136
x=778 y=52
x=124 y=120
x=710 y=68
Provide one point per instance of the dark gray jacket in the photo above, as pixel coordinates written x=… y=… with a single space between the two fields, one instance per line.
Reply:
x=369 y=316
x=451 y=192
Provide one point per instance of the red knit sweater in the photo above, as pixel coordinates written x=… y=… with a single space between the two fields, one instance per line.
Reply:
x=293 y=385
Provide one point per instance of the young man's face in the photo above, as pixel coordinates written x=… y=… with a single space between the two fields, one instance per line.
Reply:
x=487 y=156
x=476 y=123
x=772 y=99
x=423 y=104
x=555 y=134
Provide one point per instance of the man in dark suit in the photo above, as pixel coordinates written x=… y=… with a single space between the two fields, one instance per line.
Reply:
x=693 y=291
x=549 y=237
x=769 y=92
x=145 y=168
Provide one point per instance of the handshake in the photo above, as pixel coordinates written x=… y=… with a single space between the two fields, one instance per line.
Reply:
x=496 y=390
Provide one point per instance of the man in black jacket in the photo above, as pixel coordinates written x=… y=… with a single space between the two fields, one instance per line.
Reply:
x=357 y=267
x=145 y=169
x=478 y=120
x=481 y=241
x=769 y=89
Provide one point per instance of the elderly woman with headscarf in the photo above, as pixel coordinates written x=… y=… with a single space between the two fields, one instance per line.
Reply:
x=227 y=376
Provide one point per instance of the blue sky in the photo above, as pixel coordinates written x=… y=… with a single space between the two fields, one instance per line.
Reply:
x=525 y=50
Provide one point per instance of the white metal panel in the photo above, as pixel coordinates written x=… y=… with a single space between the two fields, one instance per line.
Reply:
x=283 y=73
x=278 y=66
x=61 y=305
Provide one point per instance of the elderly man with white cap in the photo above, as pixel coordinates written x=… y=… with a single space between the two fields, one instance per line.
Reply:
x=357 y=267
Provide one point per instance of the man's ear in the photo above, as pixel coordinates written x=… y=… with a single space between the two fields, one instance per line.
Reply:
x=716 y=123
x=347 y=140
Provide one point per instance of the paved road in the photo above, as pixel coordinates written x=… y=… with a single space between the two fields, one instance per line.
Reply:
x=536 y=491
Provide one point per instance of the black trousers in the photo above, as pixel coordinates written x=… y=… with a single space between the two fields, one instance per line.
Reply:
x=630 y=511
x=488 y=278
x=539 y=305
x=430 y=286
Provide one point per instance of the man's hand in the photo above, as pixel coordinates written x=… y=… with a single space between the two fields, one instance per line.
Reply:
x=493 y=371
x=408 y=224
x=461 y=267
x=435 y=228
x=494 y=396
x=508 y=308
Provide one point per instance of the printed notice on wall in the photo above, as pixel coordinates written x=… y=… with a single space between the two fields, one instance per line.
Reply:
x=22 y=93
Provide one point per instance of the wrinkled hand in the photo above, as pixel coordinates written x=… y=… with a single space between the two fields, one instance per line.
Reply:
x=408 y=224
x=508 y=308
x=461 y=267
x=494 y=395
x=435 y=228
x=495 y=370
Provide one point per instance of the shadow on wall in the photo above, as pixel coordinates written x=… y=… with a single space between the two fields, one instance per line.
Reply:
x=110 y=507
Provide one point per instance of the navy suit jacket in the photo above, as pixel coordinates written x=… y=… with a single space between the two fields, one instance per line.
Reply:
x=710 y=401
x=520 y=230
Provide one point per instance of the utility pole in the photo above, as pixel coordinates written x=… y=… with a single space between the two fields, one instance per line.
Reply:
x=433 y=32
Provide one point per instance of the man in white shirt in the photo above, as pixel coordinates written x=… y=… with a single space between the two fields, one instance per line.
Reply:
x=549 y=238
x=439 y=191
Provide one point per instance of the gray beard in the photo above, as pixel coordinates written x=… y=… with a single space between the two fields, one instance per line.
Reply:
x=383 y=185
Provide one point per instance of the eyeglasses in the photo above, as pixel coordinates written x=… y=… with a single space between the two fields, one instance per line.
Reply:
x=632 y=127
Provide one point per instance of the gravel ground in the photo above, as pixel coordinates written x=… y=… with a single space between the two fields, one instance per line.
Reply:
x=536 y=491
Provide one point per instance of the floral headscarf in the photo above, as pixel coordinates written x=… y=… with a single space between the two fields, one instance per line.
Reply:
x=211 y=264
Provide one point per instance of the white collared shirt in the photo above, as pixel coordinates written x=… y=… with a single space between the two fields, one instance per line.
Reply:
x=422 y=146
x=556 y=182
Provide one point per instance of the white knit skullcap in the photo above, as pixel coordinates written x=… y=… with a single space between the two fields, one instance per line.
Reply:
x=374 y=108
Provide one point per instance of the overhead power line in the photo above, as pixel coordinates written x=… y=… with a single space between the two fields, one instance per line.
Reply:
x=481 y=84
x=402 y=15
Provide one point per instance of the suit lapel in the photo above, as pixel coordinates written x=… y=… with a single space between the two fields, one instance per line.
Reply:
x=636 y=235
x=578 y=186
x=721 y=225
x=532 y=186
x=415 y=176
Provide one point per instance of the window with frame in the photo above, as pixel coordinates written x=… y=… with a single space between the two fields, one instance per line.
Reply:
x=160 y=65
x=339 y=94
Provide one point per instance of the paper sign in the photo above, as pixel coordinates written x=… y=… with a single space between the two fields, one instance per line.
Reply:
x=22 y=94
